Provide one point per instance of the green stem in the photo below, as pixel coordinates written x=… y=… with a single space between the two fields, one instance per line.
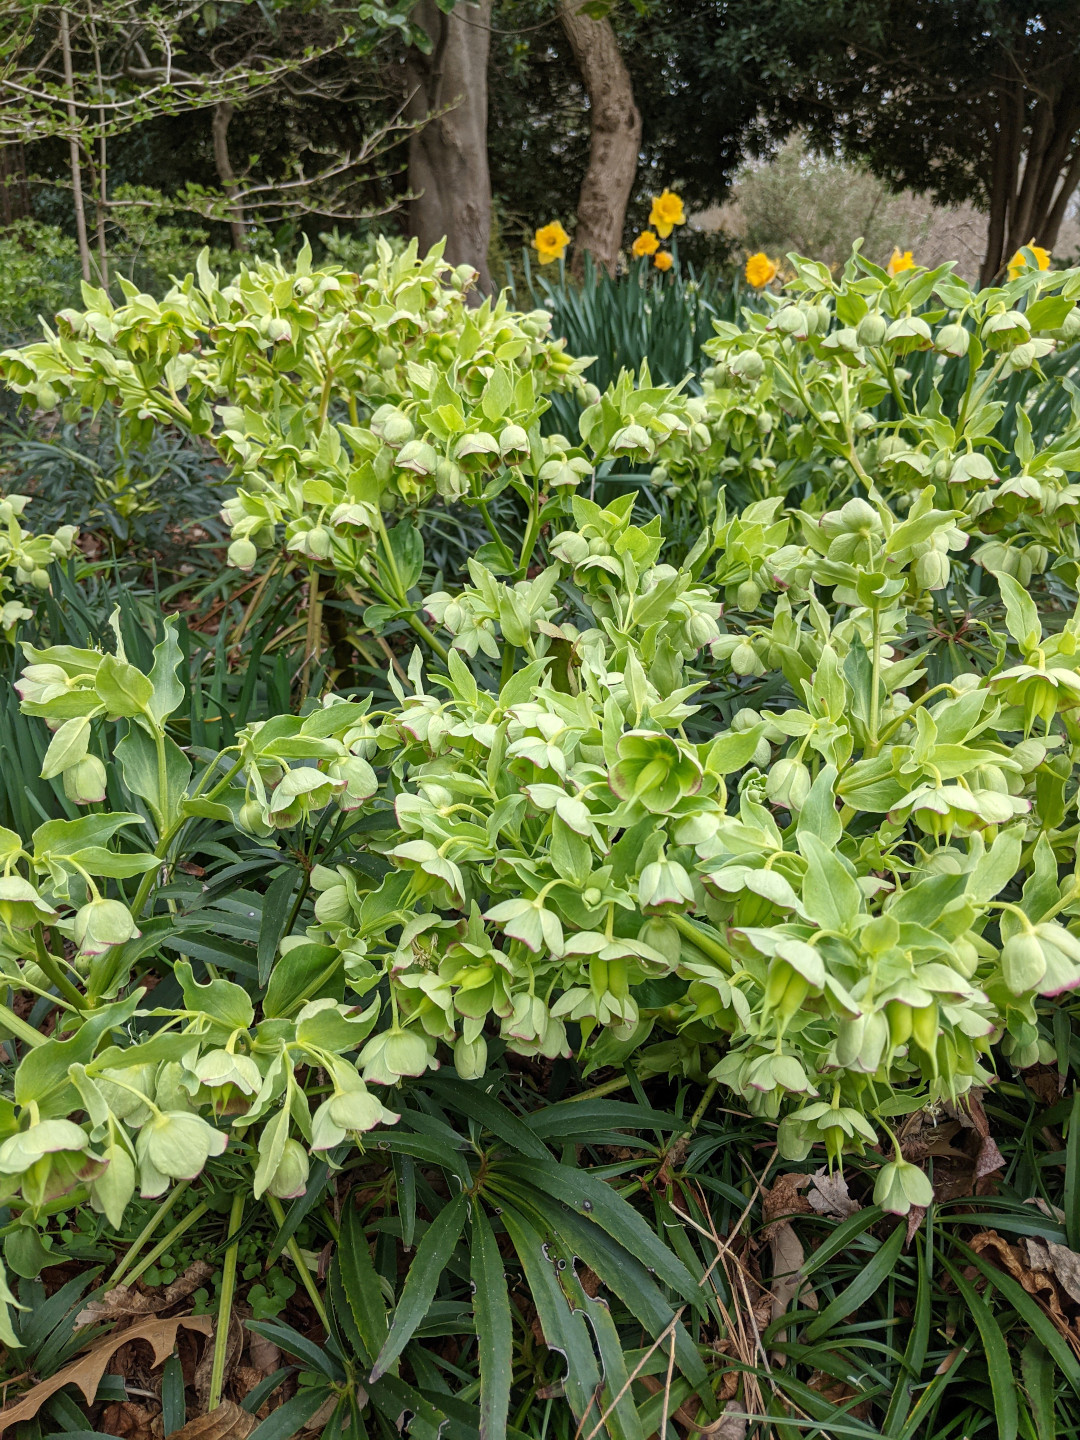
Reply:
x=47 y=964
x=620 y=1082
x=148 y=1229
x=894 y=725
x=530 y=534
x=19 y=1028
x=162 y=780
x=508 y=554
x=162 y=1246
x=412 y=619
x=874 y=744
x=705 y=943
x=278 y=1212
x=224 y=1315
x=710 y=1091
x=147 y=881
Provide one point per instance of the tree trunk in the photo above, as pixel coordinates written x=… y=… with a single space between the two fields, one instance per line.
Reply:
x=223 y=113
x=615 y=141
x=1034 y=176
x=448 y=164
x=73 y=145
x=14 y=188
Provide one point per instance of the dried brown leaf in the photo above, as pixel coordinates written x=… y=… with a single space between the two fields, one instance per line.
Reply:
x=87 y=1370
x=227 y=1422
x=828 y=1195
x=233 y=1347
x=1058 y=1260
x=123 y=1302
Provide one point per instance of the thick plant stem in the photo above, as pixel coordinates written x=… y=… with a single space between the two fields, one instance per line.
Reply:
x=224 y=1315
x=144 y=1234
x=873 y=744
x=180 y=1228
x=48 y=965
x=313 y=633
x=703 y=1104
x=278 y=1212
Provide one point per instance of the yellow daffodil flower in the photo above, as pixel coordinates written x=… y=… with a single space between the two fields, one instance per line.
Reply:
x=551 y=242
x=666 y=212
x=1018 y=264
x=645 y=244
x=663 y=260
x=900 y=260
x=760 y=270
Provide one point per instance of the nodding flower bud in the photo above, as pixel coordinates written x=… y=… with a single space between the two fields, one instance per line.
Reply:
x=953 y=340
x=871 y=329
x=84 y=782
x=243 y=554
x=788 y=784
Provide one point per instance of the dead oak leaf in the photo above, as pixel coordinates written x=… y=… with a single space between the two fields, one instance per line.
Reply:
x=87 y=1370
x=1057 y=1260
x=227 y=1422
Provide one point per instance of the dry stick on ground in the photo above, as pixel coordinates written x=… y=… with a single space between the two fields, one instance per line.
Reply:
x=722 y=1248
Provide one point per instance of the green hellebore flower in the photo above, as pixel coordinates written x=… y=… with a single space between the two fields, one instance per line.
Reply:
x=290 y=1177
x=470 y=1057
x=299 y=793
x=1023 y=963
x=48 y=1137
x=652 y=770
x=84 y=782
x=393 y=1054
x=226 y=1076
x=900 y=1185
x=175 y=1145
x=359 y=781
x=788 y=784
x=664 y=886
x=102 y=923
x=21 y=907
x=243 y=554
x=351 y=1109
